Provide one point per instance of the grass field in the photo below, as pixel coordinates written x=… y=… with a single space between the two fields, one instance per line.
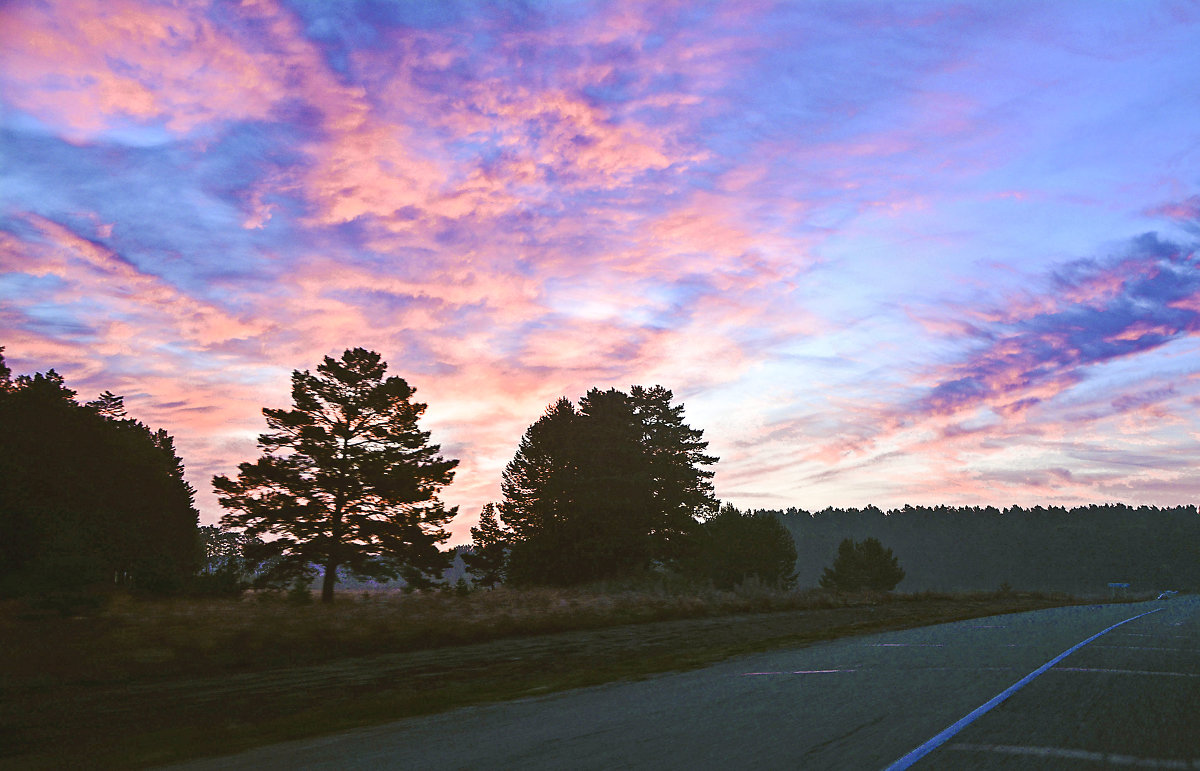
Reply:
x=139 y=683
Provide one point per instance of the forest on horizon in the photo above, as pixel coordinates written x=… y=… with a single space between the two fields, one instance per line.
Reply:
x=1079 y=550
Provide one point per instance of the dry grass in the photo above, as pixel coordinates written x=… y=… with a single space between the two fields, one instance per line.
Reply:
x=145 y=639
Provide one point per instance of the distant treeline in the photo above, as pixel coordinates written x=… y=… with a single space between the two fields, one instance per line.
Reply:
x=1079 y=550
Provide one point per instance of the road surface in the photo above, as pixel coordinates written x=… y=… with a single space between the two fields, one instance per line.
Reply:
x=1129 y=698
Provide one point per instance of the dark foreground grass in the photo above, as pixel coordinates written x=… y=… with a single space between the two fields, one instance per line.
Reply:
x=139 y=683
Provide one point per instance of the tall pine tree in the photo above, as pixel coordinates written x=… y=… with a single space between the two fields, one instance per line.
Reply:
x=539 y=484
x=489 y=545
x=681 y=488
x=346 y=479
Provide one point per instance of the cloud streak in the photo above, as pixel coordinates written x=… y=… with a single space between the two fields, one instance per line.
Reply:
x=1039 y=346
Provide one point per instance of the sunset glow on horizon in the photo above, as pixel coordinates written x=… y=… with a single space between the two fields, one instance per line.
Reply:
x=923 y=252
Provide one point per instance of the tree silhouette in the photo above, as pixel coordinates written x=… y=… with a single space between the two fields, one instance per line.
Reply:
x=539 y=483
x=863 y=565
x=605 y=488
x=681 y=488
x=543 y=486
x=611 y=526
x=733 y=547
x=346 y=479
x=109 y=405
x=87 y=498
x=228 y=566
x=489 y=545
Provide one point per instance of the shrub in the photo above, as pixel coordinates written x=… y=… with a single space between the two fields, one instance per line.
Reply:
x=864 y=565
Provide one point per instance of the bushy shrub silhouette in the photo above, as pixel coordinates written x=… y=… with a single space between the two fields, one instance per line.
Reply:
x=863 y=565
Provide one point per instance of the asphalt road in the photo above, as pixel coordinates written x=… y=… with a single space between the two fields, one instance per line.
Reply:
x=1130 y=698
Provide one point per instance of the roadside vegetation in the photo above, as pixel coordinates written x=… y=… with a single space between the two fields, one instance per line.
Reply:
x=199 y=637
x=141 y=682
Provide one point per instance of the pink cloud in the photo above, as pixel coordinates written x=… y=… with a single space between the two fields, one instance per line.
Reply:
x=541 y=138
x=578 y=138
x=1187 y=210
x=376 y=162
x=93 y=271
x=486 y=391
x=942 y=326
x=126 y=60
x=1088 y=285
x=1140 y=330
x=85 y=64
x=367 y=168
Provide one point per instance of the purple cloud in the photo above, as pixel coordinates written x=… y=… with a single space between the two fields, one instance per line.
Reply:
x=1094 y=311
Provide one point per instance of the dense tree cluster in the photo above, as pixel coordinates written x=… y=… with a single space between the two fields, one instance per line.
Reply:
x=1078 y=550
x=602 y=489
x=88 y=496
x=347 y=480
x=735 y=547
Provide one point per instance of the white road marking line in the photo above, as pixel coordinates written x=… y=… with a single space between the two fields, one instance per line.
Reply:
x=921 y=669
x=1126 y=671
x=801 y=672
x=905 y=645
x=964 y=669
x=998 y=699
x=1060 y=752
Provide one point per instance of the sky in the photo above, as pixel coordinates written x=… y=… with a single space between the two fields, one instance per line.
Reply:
x=884 y=253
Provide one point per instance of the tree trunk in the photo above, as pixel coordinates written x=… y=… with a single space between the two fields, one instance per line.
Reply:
x=330 y=580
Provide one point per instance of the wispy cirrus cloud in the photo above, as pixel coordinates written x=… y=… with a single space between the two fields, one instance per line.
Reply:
x=1075 y=370
x=1093 y=312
